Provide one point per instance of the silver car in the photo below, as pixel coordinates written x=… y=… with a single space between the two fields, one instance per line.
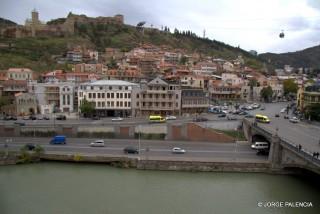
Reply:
x=177 y=150
x=97 y=143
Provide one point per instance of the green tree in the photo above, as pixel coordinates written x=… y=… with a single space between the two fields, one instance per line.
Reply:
x=266 y=94
x=290 y=87
x=313 y=111
x=183 y=60
x=3 y=101
x=112 y=64
x=87 y=108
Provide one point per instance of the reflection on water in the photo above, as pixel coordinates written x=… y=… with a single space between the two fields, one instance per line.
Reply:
x=88 y=188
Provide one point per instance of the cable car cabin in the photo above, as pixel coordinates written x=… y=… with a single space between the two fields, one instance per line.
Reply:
x=262 y=118
x=281 y=35
x=156 y=119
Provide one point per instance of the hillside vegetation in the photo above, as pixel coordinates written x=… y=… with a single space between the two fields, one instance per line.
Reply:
x=37 y=53
x=309 y=57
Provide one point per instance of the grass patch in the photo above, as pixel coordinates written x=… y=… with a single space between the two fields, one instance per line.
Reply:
x=238 y=135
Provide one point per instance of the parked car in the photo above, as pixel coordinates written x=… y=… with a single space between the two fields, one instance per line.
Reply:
x=9 y=117
x=263 y=108
x=286 y=117
x=249 y=116
x=58 y=139
x=171 y=117
x=130 y=150
x=222 y=115
x=283 y=110
x=26 y=118
x=61 y=117
x=45 y=117
x=32 y=117
x=117 y=119
x=276 y=115
x=263 y=152
x=200 y=119
x=97 y=143
x=294 y=120
x=231 y=117
x=243 y=113
x=177 y=150
x=30 y=146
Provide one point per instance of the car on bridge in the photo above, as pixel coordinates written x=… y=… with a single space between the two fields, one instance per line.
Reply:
x=171 y=117
x=97 y=143
x=177 y=150
x=200 y=119
x=61 y=117
x=58 y=139
x=130 y=150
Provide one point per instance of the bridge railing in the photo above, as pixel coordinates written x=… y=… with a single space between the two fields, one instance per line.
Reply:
x=306 y=154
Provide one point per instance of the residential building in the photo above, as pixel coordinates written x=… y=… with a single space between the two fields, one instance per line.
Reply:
x=231 y=79
x=308 y=95
x=90 y=68
x=20 y=74
x=23 y=104
x=110 y=97
x=193 y=101
x=53 y=96
x=74 y=56
x=193 y=81
x=156 y=97
x=12 y=87
x=222 y=91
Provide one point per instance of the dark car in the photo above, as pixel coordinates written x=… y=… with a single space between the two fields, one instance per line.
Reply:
x=30 y=146
x=263 y=152
x=276 y=115
x=249 y=116
x=95 y=117
x=130 y=150
x=61 y=117
x=222 y=115
x=286 y=117
x=32 y=117
x=200 y=119
x=9 y=117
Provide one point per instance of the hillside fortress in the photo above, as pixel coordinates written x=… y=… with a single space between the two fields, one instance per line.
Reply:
x=59 y=27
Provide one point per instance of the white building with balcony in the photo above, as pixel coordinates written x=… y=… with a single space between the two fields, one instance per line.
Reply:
x=109 y=97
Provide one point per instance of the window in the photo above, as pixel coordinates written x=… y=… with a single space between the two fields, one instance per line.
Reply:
x=120 y=87
x=125 y=104
x=121 y=103
x=177 y=104
x=90 y=96
x=129 y=95
x=125 y=95
x=129 y=104
x=98 y=95
x=108 y=104
x=112 y=95
x=177 y=96
x=137 y=103
x=94 y=95
x=137 y=96
x=126 y=88
x=112 y=103
x=68 y=99
x=118 y=95
x=110 y=87
x=91 y=87
x=117 y=103
x=102 y=104
x=108 y=95
x=121 y=95
x=102 y=95
x=101 y=88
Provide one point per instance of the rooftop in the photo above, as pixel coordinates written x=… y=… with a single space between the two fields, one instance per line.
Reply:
x=111 y=82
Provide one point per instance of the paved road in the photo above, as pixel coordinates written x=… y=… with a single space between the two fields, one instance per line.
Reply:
x=303 y=133
x=157 y=149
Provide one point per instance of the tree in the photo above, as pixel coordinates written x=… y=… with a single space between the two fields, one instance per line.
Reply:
x=290 y=87
x=87 y=108
x=3 y=102
x=183 y=60
x=112 y=64
x=266 y=94
x=313 y=111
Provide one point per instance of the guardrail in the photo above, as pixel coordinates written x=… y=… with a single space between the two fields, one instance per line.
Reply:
x=286 y=142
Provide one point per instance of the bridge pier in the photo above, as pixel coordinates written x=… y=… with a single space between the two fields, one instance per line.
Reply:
x=275 y=152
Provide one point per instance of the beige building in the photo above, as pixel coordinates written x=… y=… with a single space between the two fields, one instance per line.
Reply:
x=110 y=97
x=308 y=95
x=20 y=74
x=156 y=97
x=193 y=101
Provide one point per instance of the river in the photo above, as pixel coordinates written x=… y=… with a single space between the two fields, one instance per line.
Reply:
x=68 y=188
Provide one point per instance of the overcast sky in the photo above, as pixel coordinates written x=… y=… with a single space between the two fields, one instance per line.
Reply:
x=250 y=24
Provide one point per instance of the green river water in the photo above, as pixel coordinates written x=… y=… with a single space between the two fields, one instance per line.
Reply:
x=60 y=188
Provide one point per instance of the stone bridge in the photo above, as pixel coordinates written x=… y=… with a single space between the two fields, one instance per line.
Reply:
x=283 y=154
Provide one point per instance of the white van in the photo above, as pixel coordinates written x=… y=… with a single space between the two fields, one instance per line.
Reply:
x=260 y=145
